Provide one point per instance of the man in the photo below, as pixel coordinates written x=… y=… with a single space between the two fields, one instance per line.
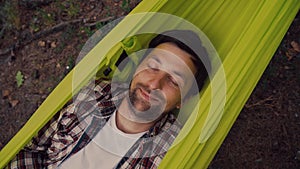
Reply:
x=113 y=125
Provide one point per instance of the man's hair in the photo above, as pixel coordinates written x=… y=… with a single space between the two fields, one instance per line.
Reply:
x=189 y=42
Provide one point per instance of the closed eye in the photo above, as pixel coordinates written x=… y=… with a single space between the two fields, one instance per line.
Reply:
x=173 y=81
x=153 y=65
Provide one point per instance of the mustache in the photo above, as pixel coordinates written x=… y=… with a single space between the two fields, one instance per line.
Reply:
x=156 y=95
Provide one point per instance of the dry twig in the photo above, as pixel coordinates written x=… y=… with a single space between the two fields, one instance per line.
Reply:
x=46 y=32
x=261 y=102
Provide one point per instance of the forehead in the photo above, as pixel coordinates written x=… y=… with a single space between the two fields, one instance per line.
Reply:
x=172 y=57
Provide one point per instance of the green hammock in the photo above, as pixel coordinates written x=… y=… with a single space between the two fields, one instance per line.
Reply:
x=245 y=33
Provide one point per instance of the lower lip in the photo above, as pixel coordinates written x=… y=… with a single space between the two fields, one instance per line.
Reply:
x=144 y=94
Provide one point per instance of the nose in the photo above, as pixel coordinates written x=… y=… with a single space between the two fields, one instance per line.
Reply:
x=157 y=81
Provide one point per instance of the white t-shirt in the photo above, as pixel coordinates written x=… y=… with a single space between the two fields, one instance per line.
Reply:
x=105 y=150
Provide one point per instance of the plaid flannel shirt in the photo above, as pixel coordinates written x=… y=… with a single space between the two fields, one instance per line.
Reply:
x=75 y=126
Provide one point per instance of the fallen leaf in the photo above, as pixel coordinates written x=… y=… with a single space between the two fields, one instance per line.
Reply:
x=288 y=55
x=295 y=46
x=42 y=43
x=58 y=65
x=5 y=94
x=53 y=44
x=287 y=68
x=13 y=103
x=19 y=78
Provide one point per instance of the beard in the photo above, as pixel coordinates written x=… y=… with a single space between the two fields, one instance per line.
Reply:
x=135 y=100
x=146 y=110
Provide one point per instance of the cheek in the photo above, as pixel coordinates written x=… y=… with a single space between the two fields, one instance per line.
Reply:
x=137 y=77
x=173 y=96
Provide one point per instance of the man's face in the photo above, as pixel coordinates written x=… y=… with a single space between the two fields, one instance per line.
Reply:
x=162 y=79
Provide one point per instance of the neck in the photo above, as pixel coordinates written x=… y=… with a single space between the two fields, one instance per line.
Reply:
x=126 y=123
x=127 y=126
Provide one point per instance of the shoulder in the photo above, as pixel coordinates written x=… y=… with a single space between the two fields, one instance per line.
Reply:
x=102 y=86
x=93 y=91
x=172 y=125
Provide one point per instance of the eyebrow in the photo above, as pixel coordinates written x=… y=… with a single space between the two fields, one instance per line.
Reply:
x=179 y=74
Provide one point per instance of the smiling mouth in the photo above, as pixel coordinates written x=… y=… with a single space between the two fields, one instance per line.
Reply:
x=146 y=95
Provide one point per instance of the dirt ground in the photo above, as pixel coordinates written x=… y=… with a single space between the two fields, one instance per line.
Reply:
x=41 y=40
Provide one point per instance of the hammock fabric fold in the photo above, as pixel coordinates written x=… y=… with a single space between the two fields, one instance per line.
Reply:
x=245 y=34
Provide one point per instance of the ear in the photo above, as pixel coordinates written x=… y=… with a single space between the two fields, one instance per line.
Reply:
x=186 y=100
